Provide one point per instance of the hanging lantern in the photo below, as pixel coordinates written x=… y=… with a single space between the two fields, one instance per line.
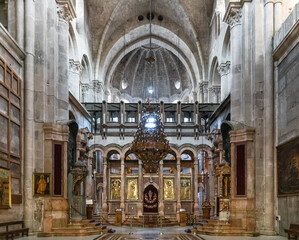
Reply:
x=150 y=144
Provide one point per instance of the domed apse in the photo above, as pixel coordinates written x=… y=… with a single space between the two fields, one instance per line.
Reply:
x=164 y=80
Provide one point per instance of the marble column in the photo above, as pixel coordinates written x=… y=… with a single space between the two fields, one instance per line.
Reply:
x=178 y=184
x=269 y=118
x=105 y=205
x=75 y=69
x=29 y=111
x=161 y=202
x=64 y=16
x=234 y=20
x=140 y=189
x=223 y=70
x=122 y=186
x=196 y=206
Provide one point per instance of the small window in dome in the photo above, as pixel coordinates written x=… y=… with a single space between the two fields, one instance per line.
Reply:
x=124 y=83
x=177 y=84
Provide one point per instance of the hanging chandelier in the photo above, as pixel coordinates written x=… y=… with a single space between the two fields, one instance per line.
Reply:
x=150 y=144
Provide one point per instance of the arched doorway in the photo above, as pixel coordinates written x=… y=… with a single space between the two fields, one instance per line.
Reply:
x=150 y=200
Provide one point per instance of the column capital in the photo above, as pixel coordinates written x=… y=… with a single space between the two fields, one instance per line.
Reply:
x=224 y=68
x=64 y=13
x=233 y=15
x=75 y=66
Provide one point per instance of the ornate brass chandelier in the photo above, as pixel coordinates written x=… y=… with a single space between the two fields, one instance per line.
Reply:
x=150 y=144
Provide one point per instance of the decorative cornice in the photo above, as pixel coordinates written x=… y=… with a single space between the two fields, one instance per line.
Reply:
x=75 y=66
x=224 y=68
x=64 y=13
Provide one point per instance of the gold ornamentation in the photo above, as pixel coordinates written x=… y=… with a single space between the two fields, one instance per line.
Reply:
x=185 y=189
x=5 y=188
x=132 y=189
x=115 y=184
x=168 y=189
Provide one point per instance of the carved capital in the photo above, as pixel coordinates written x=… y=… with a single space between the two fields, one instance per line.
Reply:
x=85 y=87
x=234 y=17
x=224 y=68
x=75 y=66
x=64 y=13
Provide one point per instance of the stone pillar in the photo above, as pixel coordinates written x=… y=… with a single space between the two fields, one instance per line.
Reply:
x=89 y=182
x=233 y=18
x=278 y=15
x=75 y=69
x=122 y=186
x=201 y=93
x=269 y=118
x=11 y=14
x=205 y=92
x=140 y=189
x=161 y=202
x=29 y=111
x=196 y=206
x=64 y=16
x=105 y=205
x=178 y=183
x=223 y=70
x=20 y=22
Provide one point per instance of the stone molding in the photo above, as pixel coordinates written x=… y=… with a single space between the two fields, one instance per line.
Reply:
x=56 y=132
x=224 y=68
x=244 y=135
x=64 y=13
x=70 y=6
x=75 y=66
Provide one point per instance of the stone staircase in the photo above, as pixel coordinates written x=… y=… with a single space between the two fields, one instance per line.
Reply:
x=151 y=221
x=221 y=228
x=77 y=228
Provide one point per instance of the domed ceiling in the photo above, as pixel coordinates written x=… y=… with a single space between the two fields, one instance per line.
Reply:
x=165 y=79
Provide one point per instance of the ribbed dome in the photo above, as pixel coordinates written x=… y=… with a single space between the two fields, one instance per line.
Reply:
x=134 y=77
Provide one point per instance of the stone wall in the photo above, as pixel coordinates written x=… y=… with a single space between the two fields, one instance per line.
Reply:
x=287 y=123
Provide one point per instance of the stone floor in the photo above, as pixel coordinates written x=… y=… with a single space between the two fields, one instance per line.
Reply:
x=170 y=233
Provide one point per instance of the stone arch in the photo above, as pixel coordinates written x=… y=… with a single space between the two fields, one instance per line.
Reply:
x=225 y=50
x=189 y=148
x=150 y=183
x=214 y=81
x=73 y=43
x=112 y=147
x=161 y=36
x=206 y=148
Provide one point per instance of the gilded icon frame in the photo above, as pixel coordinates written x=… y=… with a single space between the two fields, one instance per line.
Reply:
x=5 y=188
x=40 y=187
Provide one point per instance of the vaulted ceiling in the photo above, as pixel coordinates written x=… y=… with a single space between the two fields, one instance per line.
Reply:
x=116 y=30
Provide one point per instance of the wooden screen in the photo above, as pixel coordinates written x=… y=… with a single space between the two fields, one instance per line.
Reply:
x=10 y=127
x=241 y=184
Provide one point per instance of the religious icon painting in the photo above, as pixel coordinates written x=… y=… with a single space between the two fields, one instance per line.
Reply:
x=41 y=184
x=168 y=189
x=132 y=189
x=115 y=184
x=5 y=188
